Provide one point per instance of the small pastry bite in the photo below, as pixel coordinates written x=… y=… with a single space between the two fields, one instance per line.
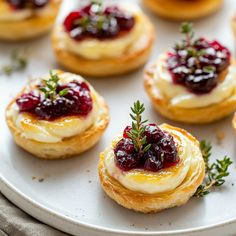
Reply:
x=99 y=40
x=194 y=82
x=26 y=19
x=150 y=168
x=183 y=9
x=57 y=116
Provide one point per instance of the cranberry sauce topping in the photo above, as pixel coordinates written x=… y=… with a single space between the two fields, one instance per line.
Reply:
x=161 y=154
x=196 y=64
x=71 y=99
x=94 y=21
x=33 y=4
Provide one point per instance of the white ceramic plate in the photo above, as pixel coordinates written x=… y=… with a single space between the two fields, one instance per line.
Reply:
x=66 y=194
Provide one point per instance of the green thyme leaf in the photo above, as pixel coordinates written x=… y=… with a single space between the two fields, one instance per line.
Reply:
x=138 y=128
x=215 y=172
x=49 y=87
x=18 y=62
x=63 y=92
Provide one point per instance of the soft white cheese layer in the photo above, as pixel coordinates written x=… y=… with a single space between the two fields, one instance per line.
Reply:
x=153 y=182
x=110 y=48
x=54 y=131
x=179 y=96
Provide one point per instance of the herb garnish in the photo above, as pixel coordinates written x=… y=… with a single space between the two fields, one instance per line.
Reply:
x=50 y=87
x=137 y=131
x=98 y=18
x=18 y=63
x=188 y=43
x=215 y=172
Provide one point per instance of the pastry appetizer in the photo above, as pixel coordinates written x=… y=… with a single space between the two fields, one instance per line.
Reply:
x=26 y=19
x=183 y=9
x=194 y=82
x=150 y=168
x=57 y=116
x=102 y=41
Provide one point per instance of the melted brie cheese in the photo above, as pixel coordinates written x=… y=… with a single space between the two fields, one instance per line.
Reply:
x=109 y=48
x=54 y=131
x=153 y=182
x=179 y=96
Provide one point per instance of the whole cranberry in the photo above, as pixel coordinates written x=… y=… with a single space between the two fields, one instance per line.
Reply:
x=152 y=163
x=153 y=133
x=27 y=102
x=127 y=129
x=69 y=22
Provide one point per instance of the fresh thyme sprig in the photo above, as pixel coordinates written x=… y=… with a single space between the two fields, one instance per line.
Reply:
x=138 y=128
x=187 y=29
x=18 y=62
x=188 y=44
x=215 y=172
x=50 y=87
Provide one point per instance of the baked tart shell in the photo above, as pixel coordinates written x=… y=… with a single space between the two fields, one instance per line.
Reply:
x=68 y=147
x=150 y=203
x=202 y=115
x=183 y=10
x=105 y=67
x=29 y=28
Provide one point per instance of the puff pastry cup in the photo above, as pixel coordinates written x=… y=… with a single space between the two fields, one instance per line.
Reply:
x=135 y=55
x=155 y=202
x=182 y=9
x=196 y=88
x=67 y=145
x=31 y=27
x=202 y=115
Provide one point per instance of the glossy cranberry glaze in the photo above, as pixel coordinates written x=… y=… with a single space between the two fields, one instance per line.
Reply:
x=90 y=23
x=199 y=74
x=21 y=4
x=77 y=101
x=162 y=154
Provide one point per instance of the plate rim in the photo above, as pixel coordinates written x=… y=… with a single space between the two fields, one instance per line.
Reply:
x=8 y=188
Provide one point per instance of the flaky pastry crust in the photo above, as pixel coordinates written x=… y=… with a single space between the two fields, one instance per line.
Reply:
x=31 y=27
x=148 y=203
x=68 y=147
x=109 y=66
x=195 y=115
x=182 y=9
x=234 y=121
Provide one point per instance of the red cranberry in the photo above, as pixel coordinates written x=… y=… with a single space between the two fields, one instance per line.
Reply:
x=53 y=109
x=88 y=22
x=152 y=163
x=27 y=102
x=153 y=133
x=127 y=129
x=201 y=82
x=125 y=145
x=193 y=72
x=70 y=20
x=125 y=156
x=162 y=153
x=77 y=101
x=168 y=149
x=125 y=21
